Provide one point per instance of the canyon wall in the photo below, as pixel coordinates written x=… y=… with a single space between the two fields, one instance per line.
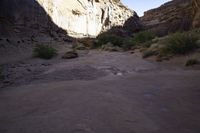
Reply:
x=86 y=17
x=176 y=15
x=79 y=18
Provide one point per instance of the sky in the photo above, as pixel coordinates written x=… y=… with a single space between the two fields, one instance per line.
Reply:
x=140 y=6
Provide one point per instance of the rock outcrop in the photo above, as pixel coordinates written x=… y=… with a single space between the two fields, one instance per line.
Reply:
x=78 y=18
x=87 y=17
x=176 y=15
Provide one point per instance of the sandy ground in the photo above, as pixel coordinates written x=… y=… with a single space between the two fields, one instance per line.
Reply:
x=99 y=92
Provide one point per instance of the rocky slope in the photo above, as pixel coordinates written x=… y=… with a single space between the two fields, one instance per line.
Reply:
x=173 y=16
x=78 y=17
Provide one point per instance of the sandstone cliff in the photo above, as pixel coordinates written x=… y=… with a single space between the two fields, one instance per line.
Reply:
x=173 y=16
x=78 y=18
x=86 y=17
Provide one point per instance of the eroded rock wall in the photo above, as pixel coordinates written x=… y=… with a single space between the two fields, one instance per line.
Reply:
x=176 y=15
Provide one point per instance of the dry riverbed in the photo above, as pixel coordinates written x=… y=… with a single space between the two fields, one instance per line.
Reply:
x=99 y=92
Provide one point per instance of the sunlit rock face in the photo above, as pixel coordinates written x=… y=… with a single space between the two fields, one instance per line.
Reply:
x=176 y=15
x=86 y=17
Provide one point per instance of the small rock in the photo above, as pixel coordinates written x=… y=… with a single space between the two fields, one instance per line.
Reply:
x=70 y=55
x=8 y=40
x=28 y=69
x=119 y=74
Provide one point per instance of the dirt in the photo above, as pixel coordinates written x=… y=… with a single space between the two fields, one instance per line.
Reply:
x=99 y=92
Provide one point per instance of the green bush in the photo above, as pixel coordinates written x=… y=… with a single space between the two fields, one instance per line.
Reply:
x=106 y=38
x=143 y=37
x=44 y=51
x=179 y=43
x=128 y=44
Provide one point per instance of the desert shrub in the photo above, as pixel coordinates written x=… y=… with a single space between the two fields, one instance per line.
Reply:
x=105 y=38
x=44 y=51
x=180 y=43
x=111 y=47
x=143 y=37
x=128 y=44
x=191 y=62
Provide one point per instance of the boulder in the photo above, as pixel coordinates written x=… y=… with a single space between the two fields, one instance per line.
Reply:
x=70 y=55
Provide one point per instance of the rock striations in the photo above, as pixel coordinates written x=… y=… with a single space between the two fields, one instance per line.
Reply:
x=173 y=16
x=78 y=18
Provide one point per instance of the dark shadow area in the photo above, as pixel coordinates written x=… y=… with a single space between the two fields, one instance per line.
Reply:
x=26 y=18
x=23 y=25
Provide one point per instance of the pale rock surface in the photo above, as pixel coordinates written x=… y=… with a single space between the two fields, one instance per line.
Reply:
x=86 y=17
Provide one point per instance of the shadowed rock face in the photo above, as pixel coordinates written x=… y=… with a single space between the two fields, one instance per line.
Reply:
x=173 y=16
x=25 y=18
x=78 y=18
